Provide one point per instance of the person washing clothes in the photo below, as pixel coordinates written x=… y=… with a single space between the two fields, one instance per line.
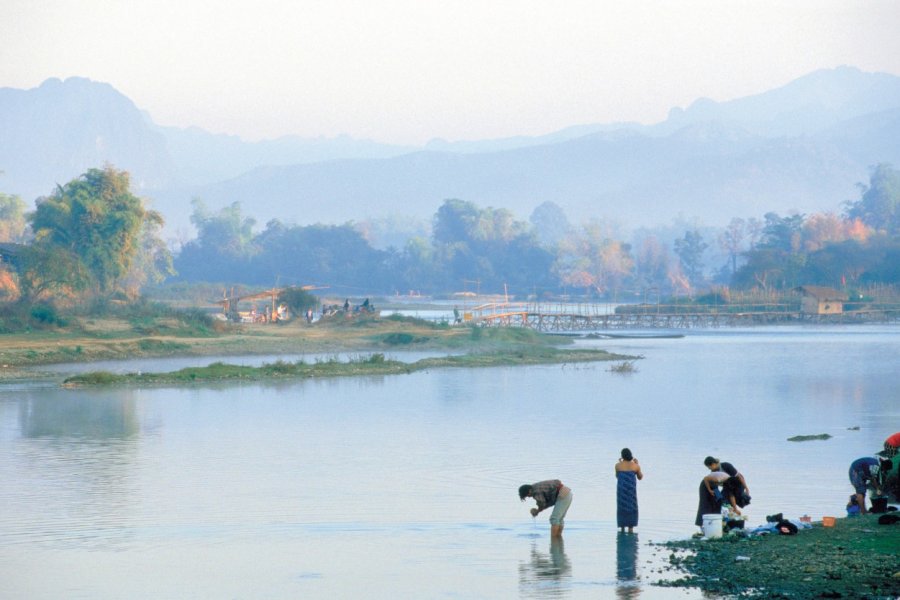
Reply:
x=546 y=494
x=734 y=491
x=866 y=473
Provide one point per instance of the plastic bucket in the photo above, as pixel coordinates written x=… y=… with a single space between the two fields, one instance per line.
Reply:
x=828 y=521
x=712 y=526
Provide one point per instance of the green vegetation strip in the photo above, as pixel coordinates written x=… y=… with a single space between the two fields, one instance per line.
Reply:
x=857 y=558
x=809 y=438
x=376 y=364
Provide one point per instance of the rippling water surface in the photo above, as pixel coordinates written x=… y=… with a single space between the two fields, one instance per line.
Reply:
x=405 y=486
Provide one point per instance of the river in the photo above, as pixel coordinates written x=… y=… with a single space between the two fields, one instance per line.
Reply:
x=405 y=486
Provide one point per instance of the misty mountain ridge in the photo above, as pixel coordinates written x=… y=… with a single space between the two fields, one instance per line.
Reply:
x=801 y=147
x=57 y=131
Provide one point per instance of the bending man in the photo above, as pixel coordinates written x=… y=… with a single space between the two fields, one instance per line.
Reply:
x=546 y=494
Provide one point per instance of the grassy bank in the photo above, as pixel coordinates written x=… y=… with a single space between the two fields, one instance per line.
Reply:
x=858 y=558
x=86 y=340
x=375 y=364
x=94 y=339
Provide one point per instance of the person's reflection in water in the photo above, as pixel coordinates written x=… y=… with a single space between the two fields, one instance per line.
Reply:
x=546 y=575
x=627 y=585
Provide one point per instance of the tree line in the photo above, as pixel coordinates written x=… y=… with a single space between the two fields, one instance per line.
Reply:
x=486 y=249
x=93 y=240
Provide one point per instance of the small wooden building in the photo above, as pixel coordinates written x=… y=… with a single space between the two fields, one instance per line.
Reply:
x=818 y=300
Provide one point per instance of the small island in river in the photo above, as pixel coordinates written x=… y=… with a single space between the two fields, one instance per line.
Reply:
x=374 y=364
x=370 y=338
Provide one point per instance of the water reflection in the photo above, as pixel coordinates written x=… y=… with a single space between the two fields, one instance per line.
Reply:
x=626 y=566
x=79 y=415
x=76 y=462
x=546 y=575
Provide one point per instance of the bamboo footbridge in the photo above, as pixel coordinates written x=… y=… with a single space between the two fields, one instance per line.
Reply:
x=597 y=317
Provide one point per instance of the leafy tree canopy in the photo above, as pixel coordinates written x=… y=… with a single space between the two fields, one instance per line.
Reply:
x=550 y=223
x=12 y=219
x=88 y=233
x=690 y=251
x=879 y=206
x=454 y=222
x=226 y=231
x=298 y=300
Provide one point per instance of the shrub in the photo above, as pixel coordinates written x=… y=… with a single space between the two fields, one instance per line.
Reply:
x=623 y=367
x=46 y=314
x=400 y=338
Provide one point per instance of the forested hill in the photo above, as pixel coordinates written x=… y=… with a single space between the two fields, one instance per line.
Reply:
x=799 y=147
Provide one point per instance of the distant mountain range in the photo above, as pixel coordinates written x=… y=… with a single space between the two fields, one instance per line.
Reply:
x=802 y=147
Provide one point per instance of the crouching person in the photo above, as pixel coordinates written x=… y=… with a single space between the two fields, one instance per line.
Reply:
x=546 y=494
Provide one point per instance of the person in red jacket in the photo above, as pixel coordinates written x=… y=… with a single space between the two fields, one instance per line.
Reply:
x=892 y=445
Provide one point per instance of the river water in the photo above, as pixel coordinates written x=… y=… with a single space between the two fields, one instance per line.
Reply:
x=405 y=486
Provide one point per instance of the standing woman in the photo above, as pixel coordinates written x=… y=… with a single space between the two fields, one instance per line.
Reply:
x=628 y=471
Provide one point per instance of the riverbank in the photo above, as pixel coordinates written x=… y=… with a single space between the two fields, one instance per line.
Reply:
x=857 y=558
x=21 y=355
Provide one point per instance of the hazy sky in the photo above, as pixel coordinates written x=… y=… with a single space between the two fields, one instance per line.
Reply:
x=407 y=71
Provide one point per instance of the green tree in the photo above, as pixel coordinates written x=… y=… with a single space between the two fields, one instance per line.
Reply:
x=782 y=233
x=550 y=223
x=842 y=263
x=317 y=254
x=12 y=219
x=48 y=270
x=690 y=251
x=778 y=260
x=731 y=240
x=414 y=267
x=488 y=245
x=223 y=248
x=455 y=221
x=879 y=206
x=86 y=234
x=225 y=232
x=153 y=261
x=298 y=300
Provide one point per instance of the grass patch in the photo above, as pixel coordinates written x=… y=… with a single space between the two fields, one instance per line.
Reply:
x=809 y=438
x=395 y=318
x=374 y=364
x=99 y=378
x=154 y=346
x=403 y=339
x=624 y=367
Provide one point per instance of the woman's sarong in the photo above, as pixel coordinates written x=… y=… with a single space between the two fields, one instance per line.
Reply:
x=626 y=499
x=708 y=505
